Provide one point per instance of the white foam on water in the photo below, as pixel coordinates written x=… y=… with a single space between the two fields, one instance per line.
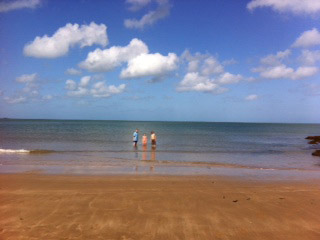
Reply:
x=14 y=151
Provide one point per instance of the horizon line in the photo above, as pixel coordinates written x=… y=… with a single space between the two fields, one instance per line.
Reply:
x=184 y=121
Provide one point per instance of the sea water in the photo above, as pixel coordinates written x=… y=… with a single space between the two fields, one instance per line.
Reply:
x=182 y=147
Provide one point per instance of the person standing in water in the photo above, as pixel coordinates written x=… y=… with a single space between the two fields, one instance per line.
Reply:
x=135 y=137
x=144 y=140
x=153 y=139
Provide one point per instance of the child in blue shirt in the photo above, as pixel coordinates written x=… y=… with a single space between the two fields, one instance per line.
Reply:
x=135 y=137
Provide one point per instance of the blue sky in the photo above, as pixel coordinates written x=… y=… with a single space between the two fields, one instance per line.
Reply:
x=209 y=60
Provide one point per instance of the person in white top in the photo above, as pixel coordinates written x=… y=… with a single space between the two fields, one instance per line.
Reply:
x=153 y=139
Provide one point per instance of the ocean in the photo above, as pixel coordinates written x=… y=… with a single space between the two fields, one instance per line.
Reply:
x=105 y=147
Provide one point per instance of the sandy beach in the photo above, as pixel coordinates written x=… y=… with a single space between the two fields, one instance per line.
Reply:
x=35 y=206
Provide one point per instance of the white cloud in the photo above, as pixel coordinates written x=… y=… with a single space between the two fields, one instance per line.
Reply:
x=135 y=5
x=205 y=74
x=211 y=66
x=228 y=78
x=293 y=6
x=78 y=90
x=150 y=65
x=251 y=97
x=280 y=71
x=305 y=71
x=15 y=100
x=273 y=66
x=101 y=90
x=6 y=6
x=30 y=82
x=66 y=37
x=30 y=90
x=193 y=65
x=308 y=38
x=284 y=72
x=71 y=85
x=27 y=78
x=73 y=71
x=310 y=57
x=84 y=82
x=151 y=17
x=98 y=90
x=194 y=82
x=275 y=59
x=106 y=60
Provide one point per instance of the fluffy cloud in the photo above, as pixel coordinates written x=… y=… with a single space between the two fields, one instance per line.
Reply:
x=151 y=17
x=98 y=90
x=27 y=78
x=211 y=66
x=274 y=72
x=30 y=82
x=6 y=6
x=284 y=72
x=150 y=65
x=135 y=5
x=293 y=6
x=29 y=91
x=15 y=100
x=66 y=37
x=71 y=85
x=310 y=57
x=273 y=66
x=73 y=71
x=205 y=74
x=106 y=60
x=228 y=78
x=251 y=97
x=78 y=90
x=304 y=71
x=308 y=38
x=194 y=82
x=275 y=59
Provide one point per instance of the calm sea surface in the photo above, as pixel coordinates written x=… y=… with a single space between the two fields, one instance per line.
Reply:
x=84 y=146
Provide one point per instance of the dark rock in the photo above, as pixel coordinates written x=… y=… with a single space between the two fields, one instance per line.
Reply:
x=314 y=139
x=316 y=153
x=235 y=201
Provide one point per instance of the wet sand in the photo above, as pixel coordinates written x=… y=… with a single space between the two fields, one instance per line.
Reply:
x=35 y=206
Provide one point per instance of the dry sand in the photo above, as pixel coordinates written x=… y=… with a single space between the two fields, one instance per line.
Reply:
x=35 y=206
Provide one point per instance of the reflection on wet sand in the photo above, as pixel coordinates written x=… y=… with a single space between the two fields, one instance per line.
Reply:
x=152 y=158
x=144 y=153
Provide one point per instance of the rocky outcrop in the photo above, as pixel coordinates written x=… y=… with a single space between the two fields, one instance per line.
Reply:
x=314 y=140
x=316 y=153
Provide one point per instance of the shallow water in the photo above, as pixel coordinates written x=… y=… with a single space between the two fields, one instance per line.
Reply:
x=191 y=145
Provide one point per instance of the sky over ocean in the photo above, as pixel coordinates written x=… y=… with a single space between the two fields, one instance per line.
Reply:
x=226 y=61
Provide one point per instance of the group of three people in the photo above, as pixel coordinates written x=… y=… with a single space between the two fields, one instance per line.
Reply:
x=144 y=138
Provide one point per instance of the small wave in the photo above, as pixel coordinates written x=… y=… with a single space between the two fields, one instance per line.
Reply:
x=36 y=151
x=41 y=151
x=14 y=151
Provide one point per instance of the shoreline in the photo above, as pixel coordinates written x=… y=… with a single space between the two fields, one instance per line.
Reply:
x=146 y=168
x=40 y=206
